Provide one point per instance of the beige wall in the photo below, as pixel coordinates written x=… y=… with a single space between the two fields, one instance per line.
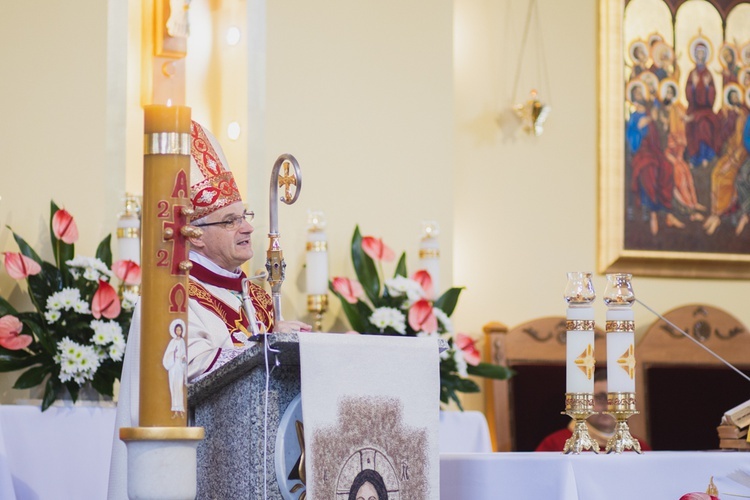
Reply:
x=365 y=95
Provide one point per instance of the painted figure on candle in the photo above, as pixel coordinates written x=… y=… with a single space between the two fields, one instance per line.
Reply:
x=175 y=362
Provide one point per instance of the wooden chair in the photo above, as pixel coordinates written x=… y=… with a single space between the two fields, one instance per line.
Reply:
x=523 y=410
x=681 y=390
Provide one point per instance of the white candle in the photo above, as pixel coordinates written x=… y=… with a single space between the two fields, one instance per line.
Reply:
x=579 y=347
x=129 y=232
x=429 y=254
x=316 y=270
x=620 y=350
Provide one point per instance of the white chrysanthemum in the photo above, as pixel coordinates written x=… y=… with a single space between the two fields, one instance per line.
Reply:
x=105 y=332
x=81 y=307
x=389 y=317
x=399 y=286
x=53 y=302
x=458 y=357
x=117 y=350
x=91 y=274
x=65 y=299
x=77 y=362
x=129 y=300
x=443 y=319
x=52 y=315
x=93 y=268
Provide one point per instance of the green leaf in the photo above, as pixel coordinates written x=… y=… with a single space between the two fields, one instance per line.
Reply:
x=32 y=377
x=6 y=308
x=489 y=370
x=103 y=382
x=104 y=251
x=447 y=302
x=11 y=361
x=401 y=266
x=44 y=284
x=50 y=392
x=41 y=334
x=25 y=248
x=365 y=269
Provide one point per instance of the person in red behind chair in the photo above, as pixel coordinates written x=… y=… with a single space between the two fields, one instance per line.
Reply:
x=601 y=426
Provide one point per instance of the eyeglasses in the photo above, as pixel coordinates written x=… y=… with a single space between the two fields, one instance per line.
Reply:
x=232 y=223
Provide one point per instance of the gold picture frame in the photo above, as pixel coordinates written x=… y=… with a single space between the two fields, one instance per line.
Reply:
x=165 y=44
x=615 y=202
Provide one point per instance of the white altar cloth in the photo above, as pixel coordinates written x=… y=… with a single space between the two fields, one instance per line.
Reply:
x=657 y=475
x=62 y=453
x=464 y=432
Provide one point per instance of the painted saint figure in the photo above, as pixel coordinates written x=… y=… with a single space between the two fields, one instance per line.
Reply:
x=700 y=91
x=674 y=115
x=175 y=362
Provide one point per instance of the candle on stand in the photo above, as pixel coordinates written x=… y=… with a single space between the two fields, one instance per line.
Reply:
x=316 y=270
x=620 y=327
x=579 y=340
x=166 y=203
x=429 y=253
x=580 y=361
x=129 y=231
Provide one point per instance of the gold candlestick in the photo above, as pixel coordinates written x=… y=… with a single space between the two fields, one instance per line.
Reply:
x=579 y=406
x=318 y=305
x=621 y=405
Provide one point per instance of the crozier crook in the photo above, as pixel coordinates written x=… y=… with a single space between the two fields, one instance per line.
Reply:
x=275 y=265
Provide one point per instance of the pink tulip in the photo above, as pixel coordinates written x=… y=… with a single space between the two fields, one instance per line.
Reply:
x=127 y=271
x=19 y=266
x=425 y=281
x=105 y=302
x=351 y=290
x=421 y=317
x=64 y=226
x=469 y=347
x=10 y=334
x=376 y=249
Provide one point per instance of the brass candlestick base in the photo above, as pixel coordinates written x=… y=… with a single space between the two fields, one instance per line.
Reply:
x=579 y=406
x=318 y=305
x=621 y=405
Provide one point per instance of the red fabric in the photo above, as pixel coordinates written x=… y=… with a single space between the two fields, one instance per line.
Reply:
x=652 y=171
x=704 y=124
x=556 y=441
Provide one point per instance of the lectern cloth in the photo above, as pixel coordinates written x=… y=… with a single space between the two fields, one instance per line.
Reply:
x=370 y=405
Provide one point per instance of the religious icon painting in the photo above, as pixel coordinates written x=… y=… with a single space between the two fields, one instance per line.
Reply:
x=675 y=140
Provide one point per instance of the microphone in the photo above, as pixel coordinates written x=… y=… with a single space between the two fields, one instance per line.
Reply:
x=712 y=353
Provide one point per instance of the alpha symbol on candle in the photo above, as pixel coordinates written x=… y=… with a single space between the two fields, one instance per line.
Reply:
x=627 y=361
x=586 y=361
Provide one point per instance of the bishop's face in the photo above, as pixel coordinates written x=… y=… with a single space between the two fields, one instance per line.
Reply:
x=227 y=247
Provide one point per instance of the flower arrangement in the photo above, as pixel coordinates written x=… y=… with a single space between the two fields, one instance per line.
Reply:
x=76 y=336
x=405 y=306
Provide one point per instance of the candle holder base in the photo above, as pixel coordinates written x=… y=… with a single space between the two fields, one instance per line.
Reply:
x=621 y=405
x=579 y=406
x=318 y=305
